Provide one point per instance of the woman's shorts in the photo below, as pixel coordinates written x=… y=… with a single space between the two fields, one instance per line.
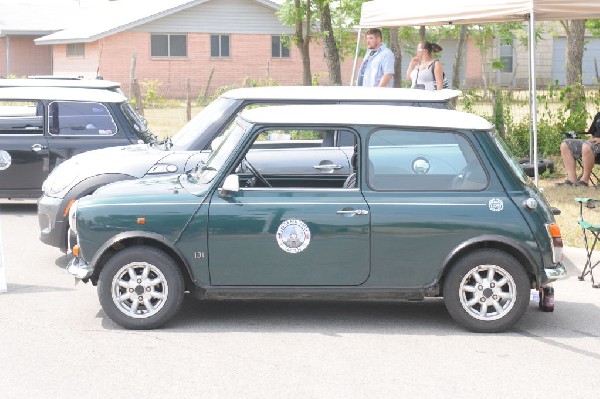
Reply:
x=575 y=146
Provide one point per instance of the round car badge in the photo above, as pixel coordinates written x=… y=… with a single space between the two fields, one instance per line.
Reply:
x=496 y=205
x=5 y=160
x=293 y=236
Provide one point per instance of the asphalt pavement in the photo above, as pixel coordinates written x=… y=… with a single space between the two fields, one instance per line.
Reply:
x=56 y=342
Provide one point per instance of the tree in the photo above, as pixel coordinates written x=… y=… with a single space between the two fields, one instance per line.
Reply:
x=332 y=55
x=575 y=31
x=459 y=56
x=298 y=14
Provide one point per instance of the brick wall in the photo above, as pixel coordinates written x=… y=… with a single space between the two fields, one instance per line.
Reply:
x=25 y=57
x=250 y=57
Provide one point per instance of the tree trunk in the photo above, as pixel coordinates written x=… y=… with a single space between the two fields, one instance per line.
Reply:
x=332 y=55
x=395 y=47
x=459 y=56
x=422 y=33
x=575 y=40
x=303 y=40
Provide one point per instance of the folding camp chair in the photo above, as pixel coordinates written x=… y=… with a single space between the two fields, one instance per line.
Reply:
x=591 y=233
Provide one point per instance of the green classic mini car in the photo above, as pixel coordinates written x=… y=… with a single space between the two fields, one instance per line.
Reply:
x=434 y=207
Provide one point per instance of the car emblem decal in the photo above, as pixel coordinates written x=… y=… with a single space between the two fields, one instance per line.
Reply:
x=293 y=236
x=5 y=160
x=496 y=204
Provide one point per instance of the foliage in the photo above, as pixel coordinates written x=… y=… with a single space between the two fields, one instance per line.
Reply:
x=150 y=97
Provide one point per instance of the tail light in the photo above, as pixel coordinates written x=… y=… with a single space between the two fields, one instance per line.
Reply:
x=556 y=241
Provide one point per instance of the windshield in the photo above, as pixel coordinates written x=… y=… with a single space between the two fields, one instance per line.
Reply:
x=215 y=113
x=510 y=159
x=138 y=123
x=223 y=151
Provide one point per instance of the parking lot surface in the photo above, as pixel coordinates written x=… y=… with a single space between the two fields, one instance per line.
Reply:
x=56 y=342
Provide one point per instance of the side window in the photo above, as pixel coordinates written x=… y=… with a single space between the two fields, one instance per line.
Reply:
x=404 y=160
x=69 y=118
x=21 y=117
x=297 y=158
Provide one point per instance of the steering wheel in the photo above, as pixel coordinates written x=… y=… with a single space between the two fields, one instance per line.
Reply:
x=256 y=173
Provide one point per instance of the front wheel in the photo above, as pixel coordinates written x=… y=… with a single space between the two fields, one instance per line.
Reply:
x=140 y=288
x=487 y=291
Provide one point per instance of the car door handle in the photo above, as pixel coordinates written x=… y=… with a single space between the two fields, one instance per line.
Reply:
x=353 y=212
x=328 y=166
x=38 y=147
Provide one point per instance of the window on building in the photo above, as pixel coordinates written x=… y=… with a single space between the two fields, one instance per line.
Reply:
x=168 y=45
x=507 y=57
x=279 y=47
x=75 y=49
x=219 y=45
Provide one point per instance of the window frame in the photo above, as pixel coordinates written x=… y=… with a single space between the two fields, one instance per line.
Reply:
x=281 y=48
x=169 y=50
x=75 y=50
x=220 y=37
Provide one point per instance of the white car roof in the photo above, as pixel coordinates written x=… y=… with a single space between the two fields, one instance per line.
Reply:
x=49 y=82
x=60 y=93
x=350 y=114
x=340 y=93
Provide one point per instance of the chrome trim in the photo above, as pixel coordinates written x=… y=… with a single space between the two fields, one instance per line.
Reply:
x=79 y=268
x=559 y=272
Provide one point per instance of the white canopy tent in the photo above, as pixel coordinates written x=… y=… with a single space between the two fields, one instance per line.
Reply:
x=391 y=13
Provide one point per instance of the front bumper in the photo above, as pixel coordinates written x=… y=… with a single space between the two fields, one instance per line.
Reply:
x=53 y=225
x=79 y=268
x=555 y=274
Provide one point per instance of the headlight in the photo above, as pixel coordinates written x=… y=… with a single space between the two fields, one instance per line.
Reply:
x=73 y=217
x=60 y=178
x=161 y=168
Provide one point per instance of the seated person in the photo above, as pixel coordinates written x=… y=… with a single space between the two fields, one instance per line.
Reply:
x=586 y=150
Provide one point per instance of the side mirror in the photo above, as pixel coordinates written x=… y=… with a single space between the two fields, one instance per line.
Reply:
x=231 y=184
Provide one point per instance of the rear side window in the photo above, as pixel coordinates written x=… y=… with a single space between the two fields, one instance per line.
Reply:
x=69 y=118
x=404 y=160
x=21 y=117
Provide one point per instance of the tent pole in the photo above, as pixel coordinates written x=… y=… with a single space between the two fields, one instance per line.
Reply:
x=355 y=57
x=533 y=94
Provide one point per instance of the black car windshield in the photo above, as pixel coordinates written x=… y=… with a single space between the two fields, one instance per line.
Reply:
x=214 y=114
x=138 y=123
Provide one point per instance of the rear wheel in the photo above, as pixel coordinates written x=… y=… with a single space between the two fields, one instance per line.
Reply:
x=140 y=288
x=487 y=291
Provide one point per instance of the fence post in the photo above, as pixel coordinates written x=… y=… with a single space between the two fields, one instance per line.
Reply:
x=138 y=97
x=188 y=103
x=132 y=74
x=205 y=93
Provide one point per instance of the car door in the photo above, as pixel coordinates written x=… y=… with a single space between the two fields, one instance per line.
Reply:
x=286 y=235
x=25 y=161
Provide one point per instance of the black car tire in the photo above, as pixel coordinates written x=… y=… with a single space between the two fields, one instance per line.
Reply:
x=543 y=165
x=150 y=301
x=475 y=300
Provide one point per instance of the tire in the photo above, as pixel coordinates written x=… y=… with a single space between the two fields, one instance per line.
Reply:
x=149 y=302
x=543 y=165
x=504 y=304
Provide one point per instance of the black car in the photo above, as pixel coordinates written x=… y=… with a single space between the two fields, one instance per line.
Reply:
x=40 y=127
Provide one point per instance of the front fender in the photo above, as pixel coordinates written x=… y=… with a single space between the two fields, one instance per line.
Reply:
x=132 y=238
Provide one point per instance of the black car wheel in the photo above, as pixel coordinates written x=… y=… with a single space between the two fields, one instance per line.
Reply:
x=543 y=165
x=140 y=288
x=487 y=291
